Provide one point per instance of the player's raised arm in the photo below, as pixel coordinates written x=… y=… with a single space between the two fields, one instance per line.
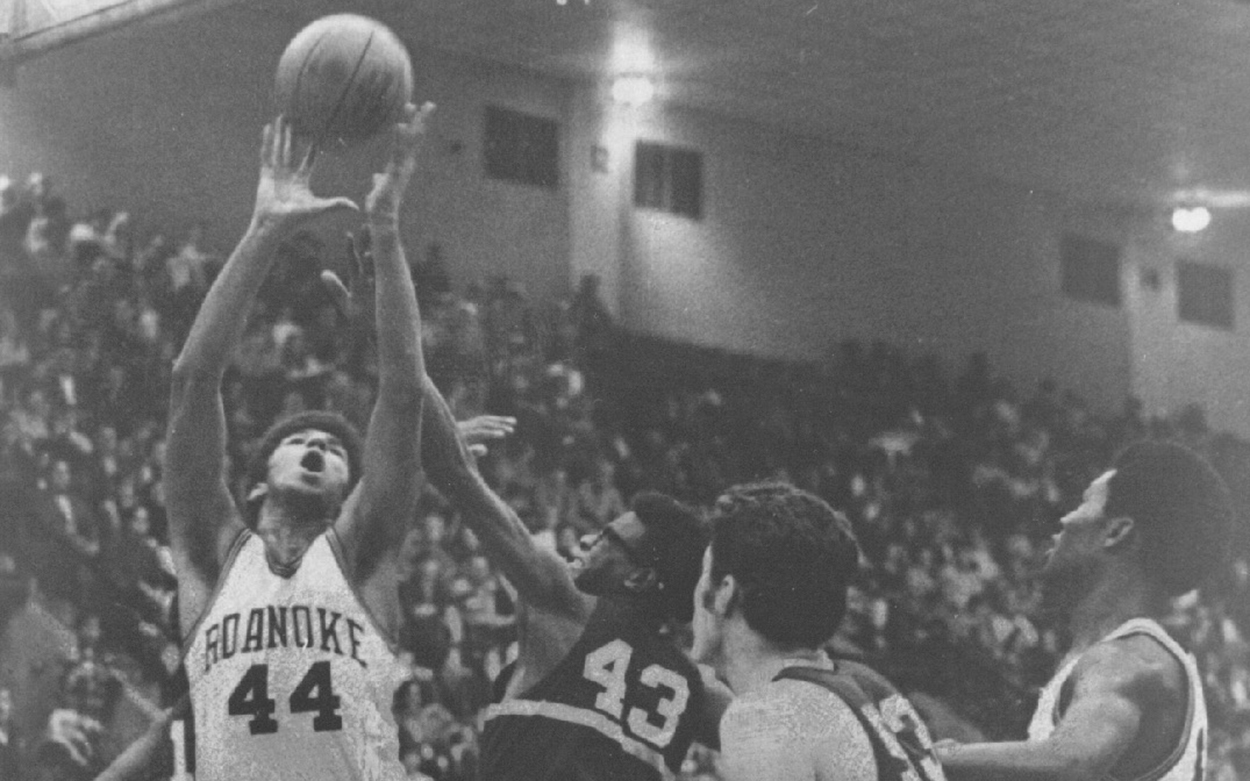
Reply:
x=375 y=515
x=1112 y=688
x=202 y=516
x=540 y=577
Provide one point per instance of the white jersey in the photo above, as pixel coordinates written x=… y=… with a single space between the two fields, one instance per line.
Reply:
x=1187 y=761
x=290 y=678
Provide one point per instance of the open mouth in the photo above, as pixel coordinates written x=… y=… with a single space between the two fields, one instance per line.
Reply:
x=313 y=461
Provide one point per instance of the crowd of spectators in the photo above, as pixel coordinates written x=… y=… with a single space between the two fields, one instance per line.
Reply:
x=954 y=481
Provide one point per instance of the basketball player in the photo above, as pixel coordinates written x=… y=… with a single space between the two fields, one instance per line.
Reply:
x=288 y=607
x=1127 y=701
x=772 y=593
x=599 y=689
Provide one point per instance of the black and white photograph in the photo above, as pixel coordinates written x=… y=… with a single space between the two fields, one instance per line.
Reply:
x=624 y=390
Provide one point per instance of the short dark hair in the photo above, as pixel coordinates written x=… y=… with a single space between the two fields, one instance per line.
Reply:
x=1182 y=507
x=319 y=420
x=675 y=539
x=793 y=557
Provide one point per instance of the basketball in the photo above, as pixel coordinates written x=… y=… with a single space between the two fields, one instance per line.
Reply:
x=342 y=79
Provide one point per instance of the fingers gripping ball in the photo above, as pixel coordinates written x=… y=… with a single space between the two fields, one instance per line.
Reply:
x=343 y=78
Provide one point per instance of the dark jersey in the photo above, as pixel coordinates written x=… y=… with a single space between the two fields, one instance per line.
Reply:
x=900 y=740
x=620 y=706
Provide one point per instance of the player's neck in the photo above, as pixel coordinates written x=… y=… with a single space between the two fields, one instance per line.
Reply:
x=751 y=662
x=286 y=537
x=1113 y=601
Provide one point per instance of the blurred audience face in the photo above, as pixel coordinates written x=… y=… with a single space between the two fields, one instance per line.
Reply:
x=89 y=632
x=479 y=570
x=434 y=529
x=140 y=522
x=61 y=478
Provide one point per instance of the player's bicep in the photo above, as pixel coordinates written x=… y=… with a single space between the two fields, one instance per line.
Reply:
x=1102 y=721
x=195 y=468
x=376 y=514
x=1098 y=727
x=202 y=523
x=374 y=517
x=199 y=557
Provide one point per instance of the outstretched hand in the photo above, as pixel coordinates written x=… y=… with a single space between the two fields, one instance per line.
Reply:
x=477 y=432
x=389 y=186
x=284 y=194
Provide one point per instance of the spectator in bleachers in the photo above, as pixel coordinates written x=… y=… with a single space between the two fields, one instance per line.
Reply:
x=66 y=536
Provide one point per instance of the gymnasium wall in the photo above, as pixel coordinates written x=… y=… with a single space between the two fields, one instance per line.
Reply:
x=1176 y=362
x=803 y=242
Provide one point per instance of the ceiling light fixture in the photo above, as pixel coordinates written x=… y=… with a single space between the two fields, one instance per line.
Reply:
x=1190 y=219
x=633 y=90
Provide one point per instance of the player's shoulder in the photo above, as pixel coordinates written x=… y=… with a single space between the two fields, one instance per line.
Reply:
x=1136 y=664
x=794 y=729
x=789 y=709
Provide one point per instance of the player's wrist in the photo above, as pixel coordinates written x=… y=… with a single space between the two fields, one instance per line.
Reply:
x=271 y=225
x=383 y=221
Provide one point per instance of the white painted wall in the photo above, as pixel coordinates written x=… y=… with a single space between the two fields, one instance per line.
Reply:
x=1176 y=363
x=805 y=242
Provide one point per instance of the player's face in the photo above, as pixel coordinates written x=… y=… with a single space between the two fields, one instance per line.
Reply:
x=706 y=625
x=1079 y=540
x=603 y=562
x=309 y=462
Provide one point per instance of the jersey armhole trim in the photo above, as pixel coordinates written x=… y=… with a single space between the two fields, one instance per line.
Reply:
x=336 y=548
x=232 y=553
x=1178 y=751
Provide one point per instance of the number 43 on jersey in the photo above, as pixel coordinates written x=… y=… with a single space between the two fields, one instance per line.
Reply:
x=606 y=666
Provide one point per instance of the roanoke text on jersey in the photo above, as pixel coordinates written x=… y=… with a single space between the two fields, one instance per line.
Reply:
x=294 y=626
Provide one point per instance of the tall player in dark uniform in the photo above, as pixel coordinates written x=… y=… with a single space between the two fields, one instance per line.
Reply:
x=599 y=691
